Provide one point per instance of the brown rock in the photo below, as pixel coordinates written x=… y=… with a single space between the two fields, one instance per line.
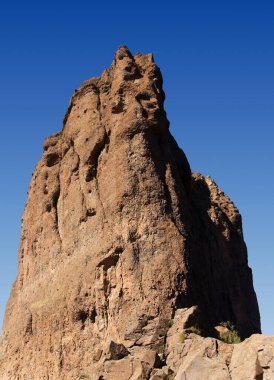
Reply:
x=204 y=358
x=196 y=358
x=253 y=358
x=208 y=358
x=116 y=351
x=221 y=330
x=117 y=236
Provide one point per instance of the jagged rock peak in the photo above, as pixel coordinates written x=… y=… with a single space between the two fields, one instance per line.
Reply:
x=135 y=81
x=118 y=239
x=122 y=52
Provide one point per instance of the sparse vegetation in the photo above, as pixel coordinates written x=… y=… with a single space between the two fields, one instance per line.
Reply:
x=161 y=349
x=170 y=323
x=229 y=325
x=170 y=377
x=182 y=337
x=195 y=330
x=230 y=336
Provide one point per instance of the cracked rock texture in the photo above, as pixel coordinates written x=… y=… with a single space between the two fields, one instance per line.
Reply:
x=117 y=237
x=198 y=358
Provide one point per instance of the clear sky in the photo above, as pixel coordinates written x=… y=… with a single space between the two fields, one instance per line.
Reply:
x=217 y=59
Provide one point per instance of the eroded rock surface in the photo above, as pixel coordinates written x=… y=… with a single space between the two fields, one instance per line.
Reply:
x=117 y=236
x=193 y=357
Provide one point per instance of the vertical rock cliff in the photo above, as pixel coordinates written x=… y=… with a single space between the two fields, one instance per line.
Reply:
x=118 y=237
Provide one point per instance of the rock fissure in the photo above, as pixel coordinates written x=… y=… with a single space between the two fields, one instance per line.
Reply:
x=55 y=199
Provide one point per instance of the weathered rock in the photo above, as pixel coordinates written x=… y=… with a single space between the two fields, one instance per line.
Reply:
x=208 y=358
x=117 y=235
x=254 y=358
x=190 y=356
x=116 y=351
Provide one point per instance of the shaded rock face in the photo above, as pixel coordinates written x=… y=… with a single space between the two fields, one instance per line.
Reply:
x=118 y=235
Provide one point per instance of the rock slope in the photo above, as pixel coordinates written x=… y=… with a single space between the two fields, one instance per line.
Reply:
x=117 y=237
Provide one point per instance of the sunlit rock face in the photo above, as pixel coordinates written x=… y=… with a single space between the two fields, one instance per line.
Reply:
x=117 y=236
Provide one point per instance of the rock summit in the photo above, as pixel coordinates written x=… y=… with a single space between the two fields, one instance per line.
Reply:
x=123 y=247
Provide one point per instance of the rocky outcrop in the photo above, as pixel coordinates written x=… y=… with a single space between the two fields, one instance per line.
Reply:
x=193 y=357
x=208 y=358
x=117 y=237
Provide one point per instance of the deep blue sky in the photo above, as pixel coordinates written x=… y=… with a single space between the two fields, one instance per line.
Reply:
x=217 y=59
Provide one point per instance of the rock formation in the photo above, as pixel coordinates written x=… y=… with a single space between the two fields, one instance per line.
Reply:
x=119 y=238
x=197 y=358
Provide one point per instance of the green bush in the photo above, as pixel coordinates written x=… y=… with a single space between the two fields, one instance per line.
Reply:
x=170 y=323
x=229 y=325
x=170 y=377
x=161 y=349
x=195 y=330
x=184 y=334
x=182 y=337
x=231 y=336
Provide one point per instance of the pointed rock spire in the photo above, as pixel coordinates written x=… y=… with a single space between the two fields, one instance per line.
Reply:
x=118 y=238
